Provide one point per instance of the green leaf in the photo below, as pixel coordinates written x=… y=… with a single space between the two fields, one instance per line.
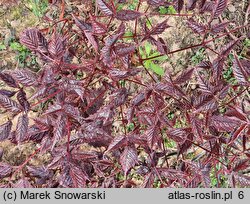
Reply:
x=147 y=64
x=171 y=10
x=16 y=46
x=2 y=47
x=157 y=69
x=128 y=36
x=148 y=48
x=163 y=10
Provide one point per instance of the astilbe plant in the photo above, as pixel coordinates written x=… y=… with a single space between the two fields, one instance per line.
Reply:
x=105 y=120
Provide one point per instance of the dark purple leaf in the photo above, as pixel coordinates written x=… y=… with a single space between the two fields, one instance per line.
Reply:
x=184 y=76
x=224 y=123
x=155 y=2
x=239 y=71
x=196 y=27
x=178 y=134
x=124 y=49
x=22 y=128
x=204 y=85
x=7 y=92
x=120 y=74
x=87 y=30
x=105 y=8
x=109 y=42
x=218 y=28
x=148 y=180
x=179 y=5
x=78 y=176
x=22 y=99
x=156 y=30
x=241 y=165
x=128 y=159
x=8 y=79
x=97 y=27
x=5 y=170
x=56 y=46
x=219 y=7
x=127 y=15
x=9 y=104
x=191 y=4
x=5 y=130
x=25 y=77
x=227 y=48
x=59 y=129
x=22 y=183
x=118 y=141
x=208 y=6
x=33 y=39
x=152 y=134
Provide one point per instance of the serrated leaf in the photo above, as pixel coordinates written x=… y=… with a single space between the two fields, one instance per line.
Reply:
x=5 y=130
x=7 y=93
x=56 y=46
x=197 y=128
x=22 y=128
x=33 y=39
x=78 y=176
x=128 y=159
x=8 y=79
x=239 y=71
x=22 y=99
x=87 y=30
x=9 y=104
x=178 y=134
x=109 y=42
x=124 y=49
x=217 y=28
x=97 y=27
x=241 y=165
x=204 y=85
x=224 y=123
x=205 y=65
x=122 y=74
x=155 y=2
x=196 y=27
x=25 y=77
x=127 y=15
x=118 y=142
x=207 y=6
x=5 y=170
x=179 y=5
x=217 y=68
x=219 y=7
x=59 y=129
x=105 y=8
x=148 y=180
x=184 y=76
x=152 y=134
x=156 y=30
